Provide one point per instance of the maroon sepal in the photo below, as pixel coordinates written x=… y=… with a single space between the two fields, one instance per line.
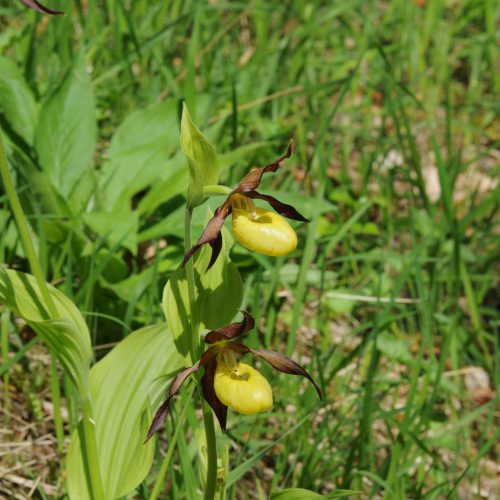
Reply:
x=286 y=365
x=252 y=180
x=33 y=4
x=207 y=384
x=231 y=331
x=159 y=418
x=212 y=234
x=282 y=208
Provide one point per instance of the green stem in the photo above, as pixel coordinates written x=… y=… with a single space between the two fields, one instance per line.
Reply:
x=208 y=420
x=216 y=190
x=55 y=388
x=24 y=233
x=90 y=447
x=4 y=328
x=194 y=341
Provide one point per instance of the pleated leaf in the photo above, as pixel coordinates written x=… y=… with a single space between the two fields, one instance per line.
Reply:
x=16 y=101
x=67 y=335
x=66 y=132
x=124 y=385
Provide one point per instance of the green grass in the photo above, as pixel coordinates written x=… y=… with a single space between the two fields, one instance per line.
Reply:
x=391 y=296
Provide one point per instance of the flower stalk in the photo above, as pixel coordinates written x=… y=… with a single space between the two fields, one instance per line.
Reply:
x=208 y=420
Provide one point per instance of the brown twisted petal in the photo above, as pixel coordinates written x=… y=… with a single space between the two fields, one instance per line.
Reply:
x=286 y=365
x=231 y=331
x=238 y=347
x=282 y=208
x=207 y=384
x=175 y=385
x=211 y=234
x=252 y=180
x=33 y=4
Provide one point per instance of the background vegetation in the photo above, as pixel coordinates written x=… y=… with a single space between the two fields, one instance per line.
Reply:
x=390 y=298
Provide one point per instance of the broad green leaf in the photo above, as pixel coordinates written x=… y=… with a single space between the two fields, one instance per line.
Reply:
x=117 y=228
x=17 y=103
x=124 y=386
x=67 y=336
x=219 y=292
x=303 y=494
x=66 y=132
x=139 y=155
x=202 y=159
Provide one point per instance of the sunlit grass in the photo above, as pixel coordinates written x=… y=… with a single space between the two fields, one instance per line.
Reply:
x=389 y=298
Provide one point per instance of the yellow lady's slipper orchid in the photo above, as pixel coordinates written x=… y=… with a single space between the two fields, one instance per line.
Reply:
x=227 y=382
x=262 y=231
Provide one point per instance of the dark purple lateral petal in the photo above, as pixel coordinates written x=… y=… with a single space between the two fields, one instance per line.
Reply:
x=162 y=412
x=173 y=389
x=238 y=347
x=207 y=384
x=252 y=180
x=158 y=419
x=181 y=377
x=216 y=246
x=33 y=4
x=211 y=234
x=231 y=331
x=282 y=208
x=286 y=365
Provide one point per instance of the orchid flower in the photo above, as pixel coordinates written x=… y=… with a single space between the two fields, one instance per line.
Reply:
x=226 y=381
x=262 y=231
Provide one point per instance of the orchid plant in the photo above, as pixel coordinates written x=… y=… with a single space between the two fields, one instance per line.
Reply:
x=226 y=381
x=107 y=457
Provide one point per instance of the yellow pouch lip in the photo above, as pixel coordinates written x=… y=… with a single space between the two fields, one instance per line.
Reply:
x=243 y=389
x=263 y=231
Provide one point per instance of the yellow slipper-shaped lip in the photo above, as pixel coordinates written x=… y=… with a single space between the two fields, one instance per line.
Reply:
x=243 y=389
x=263 y=231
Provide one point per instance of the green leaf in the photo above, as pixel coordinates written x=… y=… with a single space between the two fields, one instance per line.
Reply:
x=66 y=132
x=139 y=155
x=117 y=228
x=67 y=336
x=202 y=159
x=219 y=292
x=302 y=494
x=17 y=103
x=123 y=386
